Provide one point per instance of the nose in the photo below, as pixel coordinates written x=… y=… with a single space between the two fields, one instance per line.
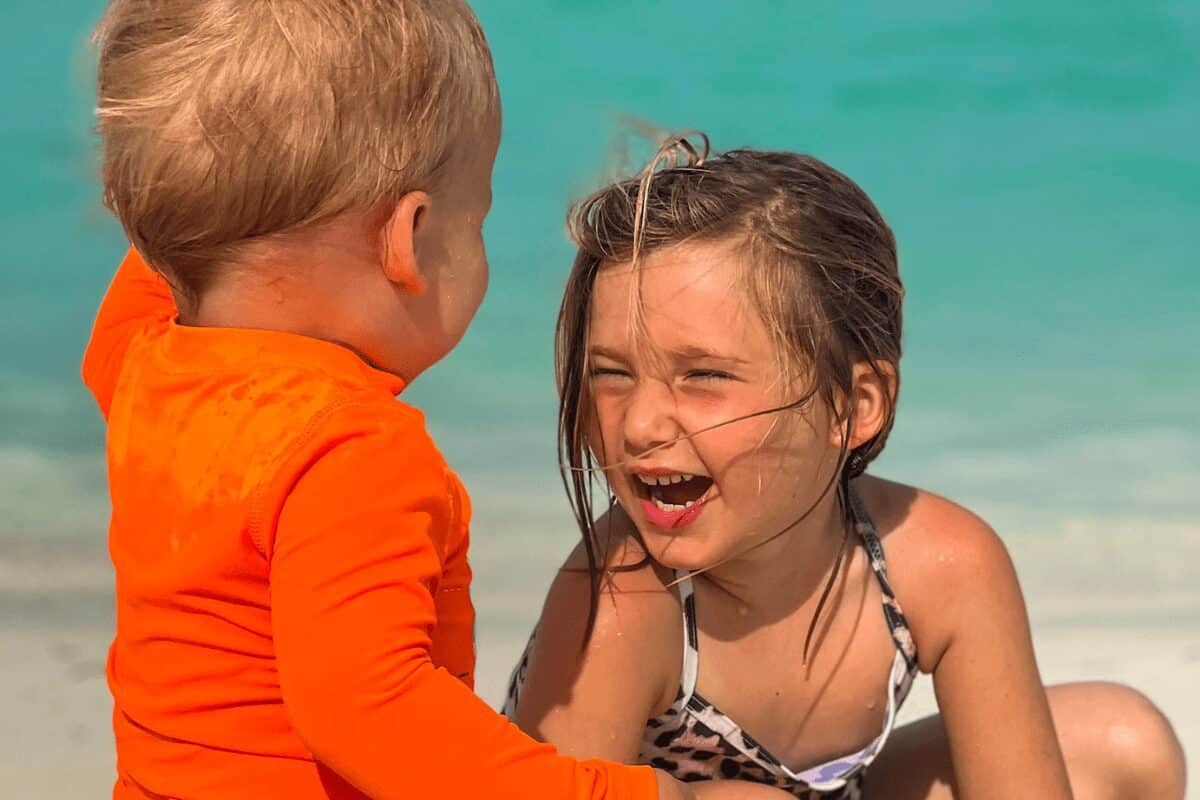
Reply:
x=649 y=419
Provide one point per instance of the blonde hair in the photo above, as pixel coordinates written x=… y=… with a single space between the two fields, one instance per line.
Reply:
x=226 y=121
x=819 y=264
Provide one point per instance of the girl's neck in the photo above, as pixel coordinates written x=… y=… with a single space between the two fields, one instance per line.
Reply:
x=782 y=575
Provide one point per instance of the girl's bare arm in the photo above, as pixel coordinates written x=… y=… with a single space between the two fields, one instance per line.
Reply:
x=592 y=700
x=973 y=635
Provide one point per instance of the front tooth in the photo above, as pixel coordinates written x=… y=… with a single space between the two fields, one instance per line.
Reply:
x=676 y=479
x=665 y=480
x=687 y=477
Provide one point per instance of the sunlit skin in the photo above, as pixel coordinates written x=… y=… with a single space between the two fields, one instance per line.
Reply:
x=397 y=285
x=712 y=360
x=675 y=348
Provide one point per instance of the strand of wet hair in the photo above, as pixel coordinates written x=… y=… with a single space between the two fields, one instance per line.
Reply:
x=669 y=151
x=840 y=477
x=690 y=435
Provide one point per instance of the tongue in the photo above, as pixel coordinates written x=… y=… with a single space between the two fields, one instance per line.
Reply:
x=679 y=494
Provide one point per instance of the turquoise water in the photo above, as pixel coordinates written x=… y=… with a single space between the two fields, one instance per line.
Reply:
x=1038 y=163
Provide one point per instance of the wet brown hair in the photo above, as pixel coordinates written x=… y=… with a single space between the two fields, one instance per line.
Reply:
x=820 y=267
x=227 y=122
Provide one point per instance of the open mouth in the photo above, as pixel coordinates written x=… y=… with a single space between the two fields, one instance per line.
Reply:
x=672 y=492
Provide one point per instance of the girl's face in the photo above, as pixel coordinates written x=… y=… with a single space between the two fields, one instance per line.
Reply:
x=703 y=357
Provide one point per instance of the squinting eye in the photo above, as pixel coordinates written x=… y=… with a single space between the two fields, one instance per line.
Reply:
x=708 y=375
x=608 y=372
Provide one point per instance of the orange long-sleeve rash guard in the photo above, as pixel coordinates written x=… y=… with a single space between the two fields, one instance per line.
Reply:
x=293 y=608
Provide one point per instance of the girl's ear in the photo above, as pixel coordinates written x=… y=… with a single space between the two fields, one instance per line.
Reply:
x=868 y=406
x=398 y=250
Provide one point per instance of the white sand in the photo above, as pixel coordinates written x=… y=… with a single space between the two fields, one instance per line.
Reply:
x=1111 y=606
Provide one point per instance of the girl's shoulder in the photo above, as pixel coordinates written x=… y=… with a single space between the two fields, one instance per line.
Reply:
x=625 y=574
x=637 y=610
x=635 y=594
x=906 y=515
x=940 y=556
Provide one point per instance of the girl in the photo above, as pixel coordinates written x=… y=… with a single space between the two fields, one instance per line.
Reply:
x=753 y=605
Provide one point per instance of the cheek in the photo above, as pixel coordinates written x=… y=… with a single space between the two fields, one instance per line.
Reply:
x=607 y=447
x=604 y=427
x=485 y=272
x=476 y=257
x=784 y=462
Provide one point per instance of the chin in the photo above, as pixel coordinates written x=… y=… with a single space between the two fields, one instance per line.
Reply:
x=682 y=552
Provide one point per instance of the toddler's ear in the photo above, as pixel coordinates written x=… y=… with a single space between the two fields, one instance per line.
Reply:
x=398 y=250
x=871 y=401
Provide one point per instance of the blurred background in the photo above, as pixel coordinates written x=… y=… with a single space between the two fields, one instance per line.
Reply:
x=1037 y=159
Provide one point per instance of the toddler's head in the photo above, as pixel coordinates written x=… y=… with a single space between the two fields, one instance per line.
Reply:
x=270 y=136
x=728 y=347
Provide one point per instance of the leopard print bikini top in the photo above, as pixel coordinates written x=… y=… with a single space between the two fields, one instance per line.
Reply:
x=692 y=740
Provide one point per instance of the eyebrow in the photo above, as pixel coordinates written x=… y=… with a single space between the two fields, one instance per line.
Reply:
x=694 y=353
x=690 y=353
x=599 y=351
